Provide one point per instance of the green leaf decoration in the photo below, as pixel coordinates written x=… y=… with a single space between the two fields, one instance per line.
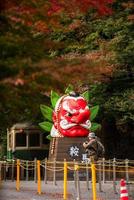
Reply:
x=49 y=137
x=69 y=89
x=95 y=126
x=46 y=126
x=47 y=112
x=54 y=98
x=86 y=95
x=89 y=105
x=94 y=112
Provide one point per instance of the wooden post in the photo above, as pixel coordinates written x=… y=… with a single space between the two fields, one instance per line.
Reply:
x=22 y=172
x=54 y=172
x=100 y=188
x=27 y=174
x=126 y=166
x=45 y=177
x=38 y=177
x=127 y=174
x=87 y=175
x=77 y=182
x=7 y=168
x=103 y=165
x=35 y=170
x=114 y=175
x=65 y=180
x=13 y=166
x=109 y=170
x=4 y=170
x=94 y=181
x=18 y=176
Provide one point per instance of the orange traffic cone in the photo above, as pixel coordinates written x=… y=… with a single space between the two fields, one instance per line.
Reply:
x=123 y=190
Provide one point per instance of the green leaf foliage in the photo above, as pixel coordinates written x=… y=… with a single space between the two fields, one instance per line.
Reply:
x=86 y=95
x=49 y=137
x=54 y=98
x=47 y=112
x=94 y=112
x=95 y=126
x=69 y=89
x=46 y=126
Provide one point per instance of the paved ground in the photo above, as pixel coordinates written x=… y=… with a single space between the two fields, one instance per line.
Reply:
x=28 y=191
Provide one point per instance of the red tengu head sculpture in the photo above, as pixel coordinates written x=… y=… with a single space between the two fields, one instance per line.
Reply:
x=71 y=117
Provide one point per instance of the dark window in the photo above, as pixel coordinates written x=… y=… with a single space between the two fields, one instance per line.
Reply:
x=20 y=139
x=34 y=140
x=45 y=140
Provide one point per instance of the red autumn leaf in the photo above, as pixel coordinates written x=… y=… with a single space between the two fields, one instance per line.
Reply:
x=40 y=13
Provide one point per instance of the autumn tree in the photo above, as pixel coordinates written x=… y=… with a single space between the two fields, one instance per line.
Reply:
x=79 y=34
x=45 y=15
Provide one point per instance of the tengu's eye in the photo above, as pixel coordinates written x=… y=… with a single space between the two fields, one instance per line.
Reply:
x=69 y=114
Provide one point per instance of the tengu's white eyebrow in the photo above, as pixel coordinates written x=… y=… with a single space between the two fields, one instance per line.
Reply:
x=66 y=107
x=74 y=98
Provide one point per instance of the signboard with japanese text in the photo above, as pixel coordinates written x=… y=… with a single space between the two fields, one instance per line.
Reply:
x=68 y=148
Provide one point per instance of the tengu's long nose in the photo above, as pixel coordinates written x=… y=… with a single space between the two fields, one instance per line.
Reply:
x=81 y=117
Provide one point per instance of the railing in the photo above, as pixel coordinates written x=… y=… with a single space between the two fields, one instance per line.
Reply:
x=104 y=170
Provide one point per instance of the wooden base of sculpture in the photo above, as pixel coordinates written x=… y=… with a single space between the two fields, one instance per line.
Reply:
x=66 y=148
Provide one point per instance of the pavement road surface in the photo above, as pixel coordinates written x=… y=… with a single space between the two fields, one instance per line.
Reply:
x=49 y=191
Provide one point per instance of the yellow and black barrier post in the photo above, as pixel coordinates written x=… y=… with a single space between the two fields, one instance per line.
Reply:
x=65 y=180
x=93 y=181
x=18 y=176
x=38 y=177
